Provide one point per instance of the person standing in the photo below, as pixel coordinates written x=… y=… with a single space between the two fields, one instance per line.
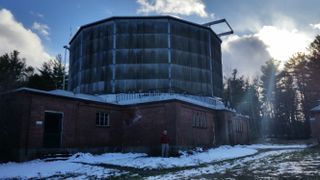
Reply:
x=164 y=140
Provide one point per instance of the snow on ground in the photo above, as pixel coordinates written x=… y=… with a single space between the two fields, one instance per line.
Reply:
x=88 y=165
x=277 y=146
x=42 y=169
x=299 y=165
x=217 y=168
x=139 y=160
x=142 y=161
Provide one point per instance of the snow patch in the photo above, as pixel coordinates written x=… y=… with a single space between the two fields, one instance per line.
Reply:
x=276 y=146
x=83 y=165
x=217 y=168
x=141 y=161
x=41 y=169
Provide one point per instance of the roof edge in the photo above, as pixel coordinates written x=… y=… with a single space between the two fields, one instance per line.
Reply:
x=99 y=99
x=139 y=17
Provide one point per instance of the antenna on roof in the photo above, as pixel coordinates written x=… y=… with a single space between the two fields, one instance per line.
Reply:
x=209 y=24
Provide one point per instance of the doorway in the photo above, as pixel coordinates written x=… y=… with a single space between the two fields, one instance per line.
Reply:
x=52 y=129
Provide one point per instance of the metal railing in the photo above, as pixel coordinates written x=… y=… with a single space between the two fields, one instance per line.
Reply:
x=158 y=96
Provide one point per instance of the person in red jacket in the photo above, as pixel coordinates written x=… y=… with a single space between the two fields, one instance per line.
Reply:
x=164 y=140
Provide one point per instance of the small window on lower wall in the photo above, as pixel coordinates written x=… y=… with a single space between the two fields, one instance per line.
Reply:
x=102 y=119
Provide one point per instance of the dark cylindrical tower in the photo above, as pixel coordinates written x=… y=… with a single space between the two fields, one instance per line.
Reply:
x=143 y=54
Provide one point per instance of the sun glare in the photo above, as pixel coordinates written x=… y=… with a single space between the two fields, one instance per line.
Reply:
x=282 y=43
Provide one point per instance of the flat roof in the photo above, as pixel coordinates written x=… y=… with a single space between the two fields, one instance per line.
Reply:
x=132 y=99
x=140 y=17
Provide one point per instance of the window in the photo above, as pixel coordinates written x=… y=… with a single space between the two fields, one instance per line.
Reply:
x=102 y=119
x=205 y=123
x=199 y=120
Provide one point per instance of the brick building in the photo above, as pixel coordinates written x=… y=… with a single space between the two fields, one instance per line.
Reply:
x=315 y=122
x=178 y=60
x=35 y=122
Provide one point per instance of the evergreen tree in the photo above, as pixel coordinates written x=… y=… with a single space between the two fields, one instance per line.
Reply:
x=244 y=97
x=13 y=71
x=58 y=72
x=253 y=107
x=234 y=90
x=285 y=106
x=51 y=75
x=268 y=84
x=308 y=71
x=296 y=91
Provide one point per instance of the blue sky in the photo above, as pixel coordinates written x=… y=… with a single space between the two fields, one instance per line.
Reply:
x=263 y=29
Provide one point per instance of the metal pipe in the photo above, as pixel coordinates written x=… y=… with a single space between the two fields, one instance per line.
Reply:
x=65 y=65
x=218 y=22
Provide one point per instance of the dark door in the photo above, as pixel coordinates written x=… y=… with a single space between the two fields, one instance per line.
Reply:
x=52 y=130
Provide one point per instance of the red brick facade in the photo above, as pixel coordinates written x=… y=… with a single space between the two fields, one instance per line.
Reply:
x=132 y=127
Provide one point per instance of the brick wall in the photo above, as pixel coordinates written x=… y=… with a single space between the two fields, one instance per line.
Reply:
x=195 y=126
x=79 y=122
x=14 y=116
x=144 y=124
x=315 y=125
x=132 y=128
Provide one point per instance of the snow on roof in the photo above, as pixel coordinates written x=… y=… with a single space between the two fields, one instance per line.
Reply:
x=63 y=93
x=138 y=98
x=316 y=109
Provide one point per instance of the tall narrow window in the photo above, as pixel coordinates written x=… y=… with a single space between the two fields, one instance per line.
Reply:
x=194 y=120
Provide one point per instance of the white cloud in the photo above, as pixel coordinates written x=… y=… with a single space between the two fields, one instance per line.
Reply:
x=315 y=26
x=39 y=15
x=248 y=24
x=212 y=16
x=283 y=43
x=246 y=53
x=177 y=7
x=14 y=36
x=280 y=39
x=282 y=21
x=42 y=29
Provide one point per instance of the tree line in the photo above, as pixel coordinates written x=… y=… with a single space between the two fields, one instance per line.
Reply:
x=279 y=101
x=15 y=73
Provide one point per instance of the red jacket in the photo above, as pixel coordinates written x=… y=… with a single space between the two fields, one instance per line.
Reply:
x=164 y=139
